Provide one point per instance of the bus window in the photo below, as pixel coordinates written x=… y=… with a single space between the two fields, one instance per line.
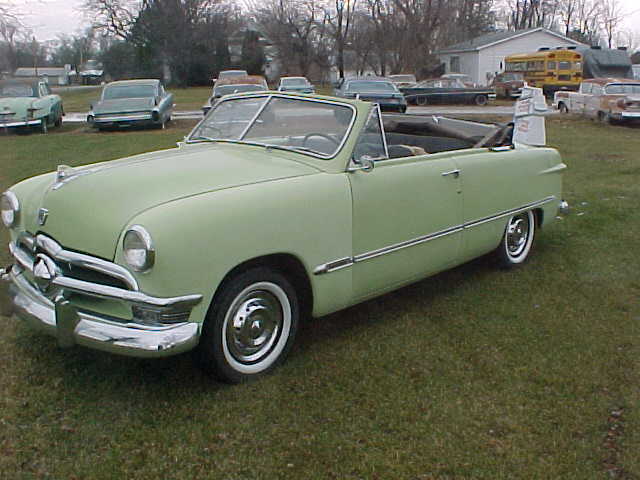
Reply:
x=577 y=66
x=565 y=66
x=551 y=65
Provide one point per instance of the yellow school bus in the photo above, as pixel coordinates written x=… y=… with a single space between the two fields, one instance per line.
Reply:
x=549 y=69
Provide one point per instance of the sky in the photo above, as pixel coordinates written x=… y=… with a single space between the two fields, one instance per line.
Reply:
x=48 y=18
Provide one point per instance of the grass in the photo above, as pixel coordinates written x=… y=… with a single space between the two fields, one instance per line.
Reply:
x=474 y=373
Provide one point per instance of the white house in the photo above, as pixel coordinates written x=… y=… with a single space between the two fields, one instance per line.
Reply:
x=482 y=57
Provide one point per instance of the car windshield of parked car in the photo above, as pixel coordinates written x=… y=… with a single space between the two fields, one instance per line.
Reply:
x=623 y=89
x=404 y=78
x=294 y=82
x=116 y=92
x=371 y=86
x=231 y=89
x=512 y=77
x=17 y=90
x=316 y=128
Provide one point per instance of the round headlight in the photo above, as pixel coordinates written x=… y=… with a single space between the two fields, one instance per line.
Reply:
x=10 y=209
x=138 y=249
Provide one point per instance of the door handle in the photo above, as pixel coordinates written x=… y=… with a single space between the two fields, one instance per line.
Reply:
x=455 y=173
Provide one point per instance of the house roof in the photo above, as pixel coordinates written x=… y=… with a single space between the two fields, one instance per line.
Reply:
x=494 y=38
x=31 y=72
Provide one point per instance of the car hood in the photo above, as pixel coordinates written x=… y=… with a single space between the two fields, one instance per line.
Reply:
x=88 y=210
x=17 y=105
x=123 y=105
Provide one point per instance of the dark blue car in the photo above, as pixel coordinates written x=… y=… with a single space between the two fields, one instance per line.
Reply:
x=373 y=89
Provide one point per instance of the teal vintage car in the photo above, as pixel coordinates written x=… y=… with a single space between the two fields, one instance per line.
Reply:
x=128 y=103
x=276 y=207
x=29 y=103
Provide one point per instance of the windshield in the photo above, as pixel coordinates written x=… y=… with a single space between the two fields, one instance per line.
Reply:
x=510 y=77
x=230 y=89
x=623 y=89
x=17 y=90
x=403 y=78
x=371 y=86
x=115 y=92
x=294 y=82
x=233 y=73
x=316 y=128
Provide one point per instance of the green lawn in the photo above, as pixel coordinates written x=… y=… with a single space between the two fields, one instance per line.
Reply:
x=474 y=373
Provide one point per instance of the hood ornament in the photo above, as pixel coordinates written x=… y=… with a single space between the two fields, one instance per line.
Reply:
x=65 y=173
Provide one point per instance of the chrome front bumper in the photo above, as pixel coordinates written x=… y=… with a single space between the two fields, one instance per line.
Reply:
x=72 y=326
x=629 y=115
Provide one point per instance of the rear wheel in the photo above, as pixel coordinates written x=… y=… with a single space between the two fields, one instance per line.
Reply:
x=422 y=101
x=250 y=326
x=517 y=240
x=563 y=107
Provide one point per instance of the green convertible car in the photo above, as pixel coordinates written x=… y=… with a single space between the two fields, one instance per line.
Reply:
x=29 y=103
x=277 y=206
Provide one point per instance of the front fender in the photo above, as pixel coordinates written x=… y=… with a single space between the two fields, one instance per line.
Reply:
x=200 y=239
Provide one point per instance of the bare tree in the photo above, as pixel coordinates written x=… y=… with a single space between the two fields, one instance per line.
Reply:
x=611 y=15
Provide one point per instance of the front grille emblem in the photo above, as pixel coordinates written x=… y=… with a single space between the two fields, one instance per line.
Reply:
x=44 y=272
x=43 y=213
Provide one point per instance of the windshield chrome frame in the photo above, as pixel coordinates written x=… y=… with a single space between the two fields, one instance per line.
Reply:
x=268 y=97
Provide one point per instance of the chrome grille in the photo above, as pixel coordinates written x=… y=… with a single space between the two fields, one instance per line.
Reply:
x=71 y=264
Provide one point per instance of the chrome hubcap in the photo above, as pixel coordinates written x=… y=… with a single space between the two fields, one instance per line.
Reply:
x=254 y=325
x=517 y=234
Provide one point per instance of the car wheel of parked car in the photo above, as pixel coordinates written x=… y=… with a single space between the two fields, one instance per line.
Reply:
x=58 y=122
x=563 y=107
x=517 y=240
x=481 y=100
x=44 y=125
x=422 y=101
x=250 y=326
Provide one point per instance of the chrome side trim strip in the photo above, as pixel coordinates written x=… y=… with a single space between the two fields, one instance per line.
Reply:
x=333 y=266
x=349 y=261
x=406 y=244
x=507 y=213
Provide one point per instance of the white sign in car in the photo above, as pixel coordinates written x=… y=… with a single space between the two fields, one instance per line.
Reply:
x=528 y=117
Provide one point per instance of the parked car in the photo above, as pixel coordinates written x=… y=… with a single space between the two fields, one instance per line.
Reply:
x=227 y=74
x=445 y=90
x=29 y=103
x=233 y=85
x=307 y=206
x=379 y=90
x=128 y=103
x=610 y=100
x=403 y=79
x=295 y=84
x=463 y=77
x=508 y=84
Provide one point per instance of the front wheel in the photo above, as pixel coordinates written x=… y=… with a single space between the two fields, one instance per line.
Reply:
x=481 y=100
x=44 y=125
x=517 y=239
x=563 y=108
x=250 y=326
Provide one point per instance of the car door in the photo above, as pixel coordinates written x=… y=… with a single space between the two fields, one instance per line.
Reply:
x=578 y=100
x=492 y=180
x=406 y=216
x=592 y=102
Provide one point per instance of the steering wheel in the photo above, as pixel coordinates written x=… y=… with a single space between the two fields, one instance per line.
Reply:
x=318 y=134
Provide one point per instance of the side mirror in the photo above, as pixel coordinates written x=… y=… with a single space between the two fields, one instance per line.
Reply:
x=365 y=164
